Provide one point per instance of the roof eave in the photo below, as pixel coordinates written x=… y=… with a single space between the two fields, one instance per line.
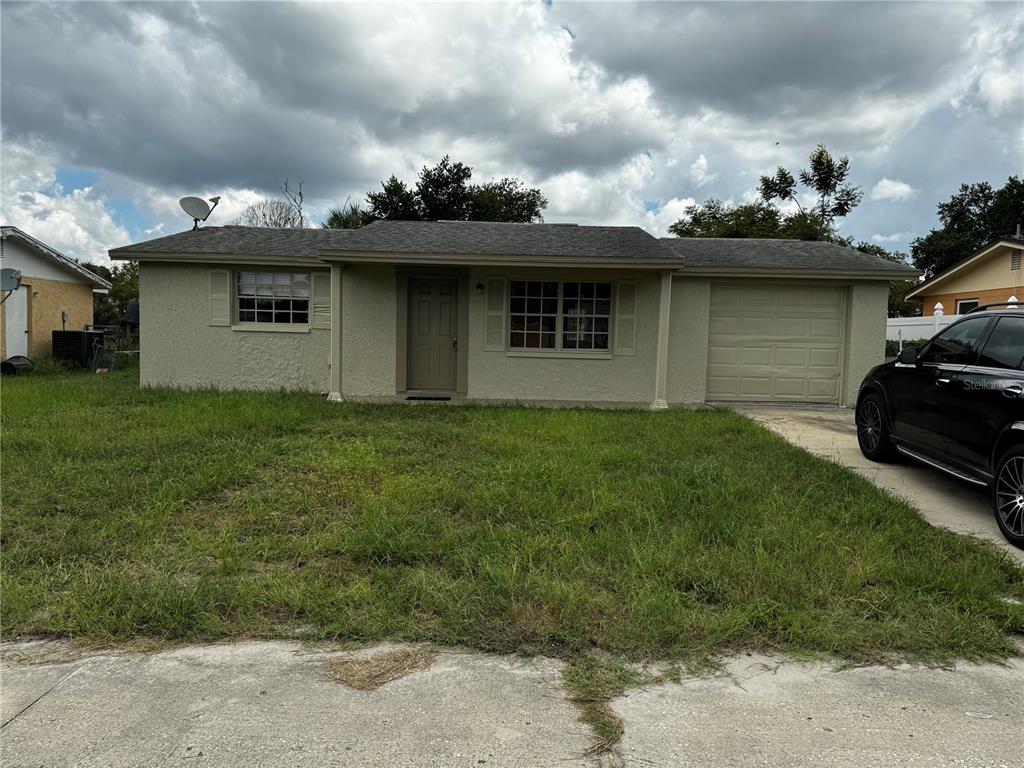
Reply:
x=803 y=274
x=932 y=282
x=60 y=258
x=589 y=262
x=122 y=254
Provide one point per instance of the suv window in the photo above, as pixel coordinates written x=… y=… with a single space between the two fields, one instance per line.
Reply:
x=1005 y=345
x=957 y=344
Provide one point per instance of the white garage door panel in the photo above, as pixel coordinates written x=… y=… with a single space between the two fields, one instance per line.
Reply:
x=775 y=343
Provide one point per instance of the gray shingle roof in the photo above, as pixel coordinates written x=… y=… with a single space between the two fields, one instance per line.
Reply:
x=481 y=238
x=242 y=241
x=755 y=253
x=485 y=238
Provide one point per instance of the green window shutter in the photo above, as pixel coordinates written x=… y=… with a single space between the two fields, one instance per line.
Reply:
x=320 y=315
x=220 y=297
x=625 y=318
x=494 y=332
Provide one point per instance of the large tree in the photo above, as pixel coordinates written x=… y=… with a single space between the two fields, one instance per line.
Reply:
x=108 y=308
x=973 y=217
x=275 y=212
x=444 y=191
x=826 y=178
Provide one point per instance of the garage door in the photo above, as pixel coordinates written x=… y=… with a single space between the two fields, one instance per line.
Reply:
x=775 y=342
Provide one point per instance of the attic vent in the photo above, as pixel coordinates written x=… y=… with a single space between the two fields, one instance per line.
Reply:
x=1015 y=258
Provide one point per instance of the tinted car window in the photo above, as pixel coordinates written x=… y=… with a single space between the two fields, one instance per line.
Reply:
x=1005 y=345
x=957 y=344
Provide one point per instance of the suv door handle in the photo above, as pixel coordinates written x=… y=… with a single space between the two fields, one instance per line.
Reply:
x=941 y=381
x=1014 y=390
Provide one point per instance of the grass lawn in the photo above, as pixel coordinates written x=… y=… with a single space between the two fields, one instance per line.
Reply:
x=143 y=513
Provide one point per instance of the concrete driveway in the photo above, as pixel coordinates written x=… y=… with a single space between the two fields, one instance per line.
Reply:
x=831 y=434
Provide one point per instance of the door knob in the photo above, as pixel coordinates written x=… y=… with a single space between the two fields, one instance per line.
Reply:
x=455 y=342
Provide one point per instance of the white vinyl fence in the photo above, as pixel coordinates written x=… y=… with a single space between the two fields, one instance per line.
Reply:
x=903 y=329
x=910 y=328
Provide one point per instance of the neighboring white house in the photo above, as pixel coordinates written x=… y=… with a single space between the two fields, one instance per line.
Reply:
x=56 y=293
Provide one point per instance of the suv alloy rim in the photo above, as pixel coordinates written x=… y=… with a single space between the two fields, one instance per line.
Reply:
x=869 y=425
x=1010 y=495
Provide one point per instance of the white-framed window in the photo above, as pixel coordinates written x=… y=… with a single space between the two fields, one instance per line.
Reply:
x=568 y=315
x=272 y=297
x=963 y=306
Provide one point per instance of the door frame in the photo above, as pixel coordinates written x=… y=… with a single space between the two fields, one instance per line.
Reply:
x=403 y=276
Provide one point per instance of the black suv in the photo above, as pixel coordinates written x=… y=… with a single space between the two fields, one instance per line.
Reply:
x=957 y=404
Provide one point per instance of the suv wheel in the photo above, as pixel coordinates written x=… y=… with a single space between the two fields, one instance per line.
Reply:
x=1008 y=495
x=873 y=429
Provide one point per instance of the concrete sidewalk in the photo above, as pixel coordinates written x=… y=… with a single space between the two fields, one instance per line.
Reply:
x=271 y=704
x=771 y=713
x=832 y=434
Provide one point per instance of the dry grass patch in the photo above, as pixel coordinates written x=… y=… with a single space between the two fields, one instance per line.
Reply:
x=371 y=672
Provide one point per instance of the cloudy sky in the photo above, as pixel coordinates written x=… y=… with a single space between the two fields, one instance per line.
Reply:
x=622 y=113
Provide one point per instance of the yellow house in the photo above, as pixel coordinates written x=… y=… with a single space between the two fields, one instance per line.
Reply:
x=988 y=276
x=55 y=294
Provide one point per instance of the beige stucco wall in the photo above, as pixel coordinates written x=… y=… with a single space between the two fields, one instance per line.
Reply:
x=621 y=380
x=866 y=311
x=864 y=345
x=179 y=346
x=991 y=272
x=368 y=329
x=688 y=341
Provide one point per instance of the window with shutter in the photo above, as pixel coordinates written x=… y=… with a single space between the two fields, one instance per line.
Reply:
x=278 y=298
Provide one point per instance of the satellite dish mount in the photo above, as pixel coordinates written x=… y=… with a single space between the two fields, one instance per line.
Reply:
x=197 y=208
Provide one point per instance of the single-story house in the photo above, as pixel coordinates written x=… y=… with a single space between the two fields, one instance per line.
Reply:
x=493 y=312
x=989 y=275
x=56 y=294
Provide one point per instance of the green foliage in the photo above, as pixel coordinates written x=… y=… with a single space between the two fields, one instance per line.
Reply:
x=757 y=219
x=124 y=278
x=348 y=216
x=827 y=178
x=506 y=200
x=443 y=191
x=892 y=346
x=898 y=289
x=972 y=218
x=717 y=219
x=156 y=513
x=446 y=192
x=394 y=201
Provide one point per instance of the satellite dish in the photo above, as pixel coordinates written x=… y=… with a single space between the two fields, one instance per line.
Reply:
x=10 y=279
x=197 y=208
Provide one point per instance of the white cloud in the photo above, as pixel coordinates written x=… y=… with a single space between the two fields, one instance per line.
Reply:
x=699 y=171
x=78 y=224
x=895 y=237
x=615 y=197
x=892 y=189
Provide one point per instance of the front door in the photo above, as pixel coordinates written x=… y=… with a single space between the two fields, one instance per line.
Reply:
x=433 y=346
